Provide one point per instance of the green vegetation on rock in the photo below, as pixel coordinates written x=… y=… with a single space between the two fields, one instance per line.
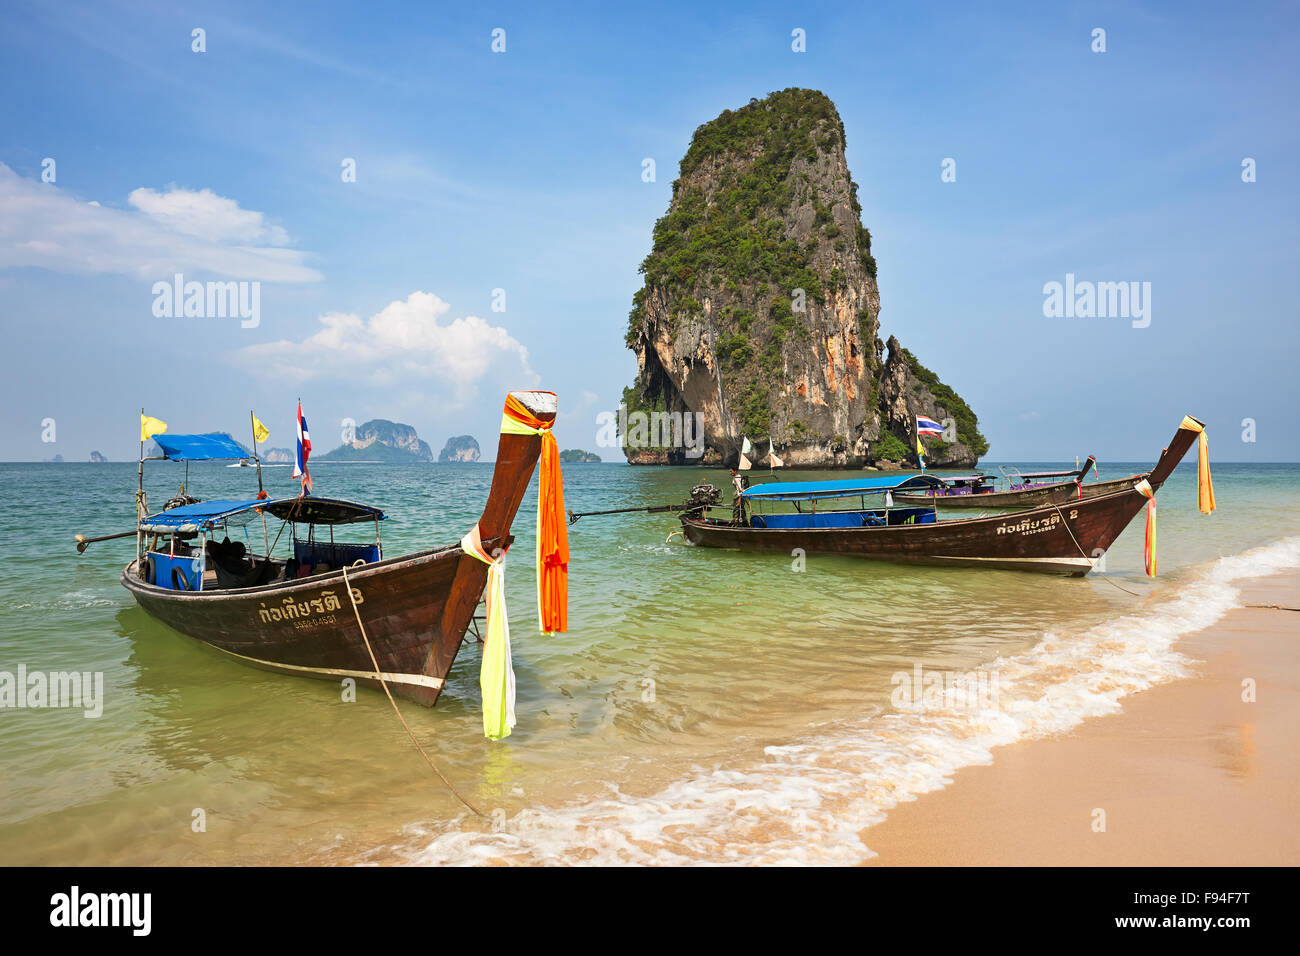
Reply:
x=968 y=431
x=737 y=234
x=890 y=447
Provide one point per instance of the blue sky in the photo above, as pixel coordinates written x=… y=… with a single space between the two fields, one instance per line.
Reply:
x=521 y=171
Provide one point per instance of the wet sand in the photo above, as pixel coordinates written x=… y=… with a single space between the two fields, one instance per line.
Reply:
x=1187 y=774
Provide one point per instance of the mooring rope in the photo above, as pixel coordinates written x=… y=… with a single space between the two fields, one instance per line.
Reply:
x=396 y=709
x=1085 y=554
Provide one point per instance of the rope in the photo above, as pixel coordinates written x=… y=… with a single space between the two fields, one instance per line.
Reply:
x=396 y=710
x=1273 y=607
x=1085 y=554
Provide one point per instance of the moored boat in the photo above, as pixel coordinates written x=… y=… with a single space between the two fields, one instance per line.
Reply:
x=1056 y=538
x=323 y=611
x=1019 y=490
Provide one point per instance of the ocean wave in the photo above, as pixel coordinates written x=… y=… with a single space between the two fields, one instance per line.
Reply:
x=72 y=601
x=808 y=801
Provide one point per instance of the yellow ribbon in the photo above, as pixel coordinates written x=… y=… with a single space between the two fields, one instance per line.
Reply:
x=1204 y=484
x=496 y=676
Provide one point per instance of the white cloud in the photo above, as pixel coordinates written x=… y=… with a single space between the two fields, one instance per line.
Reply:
x=401 y=344
x=206 y=215
x=176 y=231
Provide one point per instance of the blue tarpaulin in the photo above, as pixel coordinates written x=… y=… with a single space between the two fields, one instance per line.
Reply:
x=214 y=445
x=807 y=490
x=309 y=510
x=196 y=517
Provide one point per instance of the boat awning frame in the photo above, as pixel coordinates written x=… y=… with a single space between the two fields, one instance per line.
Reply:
x=207 y=515
x=814 y=490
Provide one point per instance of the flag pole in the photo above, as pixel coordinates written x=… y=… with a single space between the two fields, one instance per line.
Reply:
x=266 y=537
x=139 y=499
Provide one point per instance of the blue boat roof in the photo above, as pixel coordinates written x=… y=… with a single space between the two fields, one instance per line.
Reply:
x=309 y=510
x=806 y=490
x=208 y=447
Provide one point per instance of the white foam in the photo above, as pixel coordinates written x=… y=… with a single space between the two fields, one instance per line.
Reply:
x=807 y=802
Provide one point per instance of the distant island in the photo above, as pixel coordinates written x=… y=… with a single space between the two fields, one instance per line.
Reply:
x=460 y=448
x=97 y=458
x=577 y=454
x=277 y=456
x=384 y=441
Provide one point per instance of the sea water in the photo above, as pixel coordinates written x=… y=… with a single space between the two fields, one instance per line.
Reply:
x=705 y=706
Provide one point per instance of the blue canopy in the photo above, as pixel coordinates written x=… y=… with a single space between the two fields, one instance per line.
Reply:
x=309 y=510
x=196 y=517
x=807 y=490
x=213 y=445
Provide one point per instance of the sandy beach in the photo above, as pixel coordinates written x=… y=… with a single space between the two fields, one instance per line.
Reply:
x=1188 y=773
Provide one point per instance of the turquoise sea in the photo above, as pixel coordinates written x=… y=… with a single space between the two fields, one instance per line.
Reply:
x=705 y=706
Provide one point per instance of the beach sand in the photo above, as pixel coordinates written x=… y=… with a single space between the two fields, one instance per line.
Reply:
x=1187 y=774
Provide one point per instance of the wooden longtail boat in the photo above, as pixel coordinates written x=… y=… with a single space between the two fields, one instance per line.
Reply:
x=295 y=616
x=1021 y=491
x=1065 y=538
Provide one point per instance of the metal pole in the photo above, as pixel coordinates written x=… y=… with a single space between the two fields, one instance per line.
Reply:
x=266 y=538
x=139 y=500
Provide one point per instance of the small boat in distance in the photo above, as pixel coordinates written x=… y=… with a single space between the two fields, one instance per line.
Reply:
x=1020 y=490
x=1065 y=538
x=299 y=615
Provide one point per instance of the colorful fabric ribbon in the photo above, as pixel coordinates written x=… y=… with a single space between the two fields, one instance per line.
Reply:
x=1149 y=548
x=1204 y=484
x=552 y=533
x=496 y=676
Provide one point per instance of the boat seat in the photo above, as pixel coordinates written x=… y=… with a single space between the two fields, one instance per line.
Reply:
x=235 y=569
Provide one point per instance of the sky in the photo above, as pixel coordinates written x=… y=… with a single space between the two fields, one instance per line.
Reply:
x=491 y=234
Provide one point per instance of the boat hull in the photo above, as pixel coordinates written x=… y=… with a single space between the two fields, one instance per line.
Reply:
x=1053 y=539
x=1057 y=494
x=308 y=628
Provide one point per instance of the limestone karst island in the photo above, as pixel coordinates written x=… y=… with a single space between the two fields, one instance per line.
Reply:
x=760 y=312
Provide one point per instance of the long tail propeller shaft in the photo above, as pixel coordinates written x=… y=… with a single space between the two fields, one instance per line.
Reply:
x=82 y=540
x=651 y=509
x=702 y=496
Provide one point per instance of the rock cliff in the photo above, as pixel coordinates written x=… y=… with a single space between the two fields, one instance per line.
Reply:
x=382 y=440
x=460 y=448
x=759 y=315
x=578 y=455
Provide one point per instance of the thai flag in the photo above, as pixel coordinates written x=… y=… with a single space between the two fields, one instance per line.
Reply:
x=928 y=426
x=304 y=452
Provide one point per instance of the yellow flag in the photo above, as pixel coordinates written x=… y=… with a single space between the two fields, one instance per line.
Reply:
x=260 y=431
x=920 y=449
x=151 y=426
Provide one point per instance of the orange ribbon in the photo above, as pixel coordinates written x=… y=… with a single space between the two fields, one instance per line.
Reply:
x=552 y=532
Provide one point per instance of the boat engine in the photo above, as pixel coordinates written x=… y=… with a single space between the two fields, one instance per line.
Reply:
x=702 y=496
